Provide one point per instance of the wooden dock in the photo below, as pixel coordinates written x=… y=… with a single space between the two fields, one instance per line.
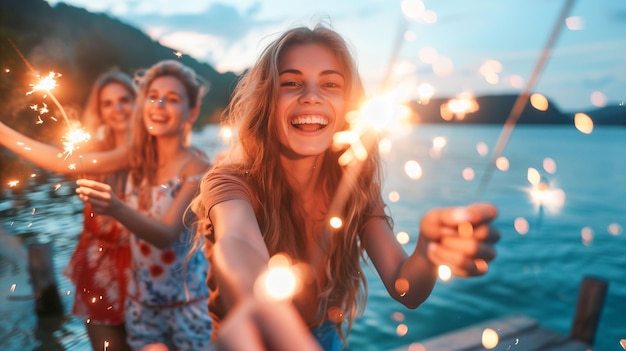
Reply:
x=519 y=332
x=515 y=332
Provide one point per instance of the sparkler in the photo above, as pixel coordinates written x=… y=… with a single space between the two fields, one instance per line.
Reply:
x=74 y=136
x=362 y=138
x=522 y=99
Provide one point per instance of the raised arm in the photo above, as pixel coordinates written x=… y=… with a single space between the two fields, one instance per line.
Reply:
x=54 y=159
x=160 y=232
x=460 y=238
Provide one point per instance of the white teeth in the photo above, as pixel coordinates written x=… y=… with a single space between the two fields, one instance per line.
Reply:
x=157 y=118
x=310 y=120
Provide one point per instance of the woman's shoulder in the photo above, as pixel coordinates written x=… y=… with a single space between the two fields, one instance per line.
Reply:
x=225 y=172
x=227 y=182
x=197 y=165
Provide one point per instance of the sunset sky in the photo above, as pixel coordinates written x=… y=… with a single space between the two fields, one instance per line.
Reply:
x=454 y=46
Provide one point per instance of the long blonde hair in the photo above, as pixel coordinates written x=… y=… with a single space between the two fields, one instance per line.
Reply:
x=251 y=110
x=143 y=153
x=92 y=120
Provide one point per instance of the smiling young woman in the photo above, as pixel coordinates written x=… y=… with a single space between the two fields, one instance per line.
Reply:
x=271 y=195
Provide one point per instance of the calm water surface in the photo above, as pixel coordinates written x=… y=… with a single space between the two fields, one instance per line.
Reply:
x=537 y=273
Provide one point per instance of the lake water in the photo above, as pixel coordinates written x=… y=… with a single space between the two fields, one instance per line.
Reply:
x=537 y=272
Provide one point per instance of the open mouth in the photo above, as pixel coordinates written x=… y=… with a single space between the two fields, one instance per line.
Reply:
x=309 y=123
x=157 y=118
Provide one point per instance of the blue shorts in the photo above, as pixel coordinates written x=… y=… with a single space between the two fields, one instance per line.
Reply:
x=184 y=327
x=327 y=336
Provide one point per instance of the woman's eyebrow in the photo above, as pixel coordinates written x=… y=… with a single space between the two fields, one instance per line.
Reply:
x=298 y=72
x=290 y=70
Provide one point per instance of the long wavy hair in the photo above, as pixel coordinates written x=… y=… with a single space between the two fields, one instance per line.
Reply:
x=253 y=156
x=103 y=137
x=92 y=120
x=144 y=157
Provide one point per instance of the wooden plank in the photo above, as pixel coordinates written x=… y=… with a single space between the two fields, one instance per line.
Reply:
x=536 y=339
x=470 y=338
x=588 y=309
x=570 y=345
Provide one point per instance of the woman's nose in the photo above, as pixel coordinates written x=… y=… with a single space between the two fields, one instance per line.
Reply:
x=311 y=95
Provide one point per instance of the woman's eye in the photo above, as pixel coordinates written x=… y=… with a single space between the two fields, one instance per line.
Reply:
x=335 y=84
x=289 y=84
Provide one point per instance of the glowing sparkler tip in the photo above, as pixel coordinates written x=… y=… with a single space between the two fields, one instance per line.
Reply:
x=46 y=83
x=72 y=139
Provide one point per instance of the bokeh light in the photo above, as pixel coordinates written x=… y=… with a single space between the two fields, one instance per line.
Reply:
x=413 y=169
x=490 y=338
x=521 y=225
x=444 y=272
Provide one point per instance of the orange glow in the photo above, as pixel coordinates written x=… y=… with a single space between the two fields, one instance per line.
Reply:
x=482 y=148
x=72 y=139
x=502 y=163
x=539 y=102
x=460 y=106
x=394 y=196
x=521 y=225
x=445 y=273
x=336 y=222
x=46 y=83
x=583 y=123
x=402 y=286
x=533 y=176
x=468 y=174
x=574 y=23
x=598 y=99
x=549 y=165
x=402 y=329
x=413 y=169
x=615 y=229
x=586 y=235
x=280 y=281
x=384 y=145
x=403 y=238
x=490 y=338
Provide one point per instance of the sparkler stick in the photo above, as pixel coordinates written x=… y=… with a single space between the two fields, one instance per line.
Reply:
x=402 y=25
x=522 y=99
x=54 y=99
x=74 y=135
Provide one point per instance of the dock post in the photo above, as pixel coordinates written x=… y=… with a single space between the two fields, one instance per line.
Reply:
x=41 y=270
x=588 y=309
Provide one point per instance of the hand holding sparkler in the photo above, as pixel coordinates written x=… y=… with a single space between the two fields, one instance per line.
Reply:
x=100 y=195
x=460 y=238
x=265 y=325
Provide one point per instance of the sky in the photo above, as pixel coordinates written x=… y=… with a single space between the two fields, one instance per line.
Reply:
x=417 y=48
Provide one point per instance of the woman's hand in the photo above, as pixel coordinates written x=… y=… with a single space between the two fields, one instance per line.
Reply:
x=260 y=324
x=100 y=195
x=461 y=238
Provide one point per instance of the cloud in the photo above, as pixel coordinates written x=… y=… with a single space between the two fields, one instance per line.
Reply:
x=219 y=20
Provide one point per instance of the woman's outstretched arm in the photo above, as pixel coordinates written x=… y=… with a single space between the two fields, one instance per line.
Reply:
x=240 y=254
x=54 y=158
x=461 y=238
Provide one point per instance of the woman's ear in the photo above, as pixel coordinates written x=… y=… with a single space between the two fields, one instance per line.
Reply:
x=193 y=115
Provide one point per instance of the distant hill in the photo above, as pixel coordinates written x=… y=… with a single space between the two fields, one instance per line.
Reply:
x=495 y=109
x=80 y=45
